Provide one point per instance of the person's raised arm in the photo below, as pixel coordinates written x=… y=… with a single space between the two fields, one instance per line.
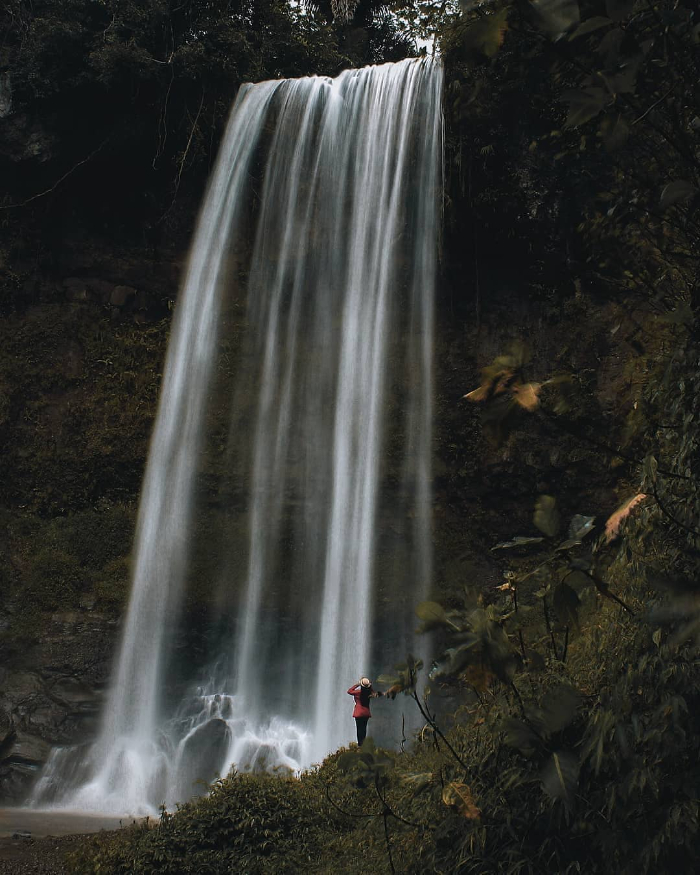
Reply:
x=352 y=689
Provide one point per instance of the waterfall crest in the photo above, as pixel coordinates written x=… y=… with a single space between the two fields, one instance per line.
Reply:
x=300 y=445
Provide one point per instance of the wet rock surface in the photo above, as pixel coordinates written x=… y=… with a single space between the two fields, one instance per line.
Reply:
x=51 y=695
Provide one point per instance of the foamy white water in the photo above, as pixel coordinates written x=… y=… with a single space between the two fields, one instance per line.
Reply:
x=329 y=436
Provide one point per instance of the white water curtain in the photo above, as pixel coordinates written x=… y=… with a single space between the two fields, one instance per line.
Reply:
x=318 y=234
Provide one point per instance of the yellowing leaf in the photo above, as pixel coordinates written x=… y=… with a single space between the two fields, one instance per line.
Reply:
x=486 y=36
x=479 y=677
x=527 y=395
x=495 y=381
x=612 y=526
x=584 y=104
x=431 y=612
x=459 y=796
x=477 y=395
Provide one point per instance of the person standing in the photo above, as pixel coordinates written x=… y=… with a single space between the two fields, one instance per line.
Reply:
x=362 y=692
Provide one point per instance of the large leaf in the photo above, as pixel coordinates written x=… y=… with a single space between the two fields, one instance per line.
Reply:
x=388 y=680
x=676 y=192
x=546 y=516
x=560 y=777
x=578 y=580
x=584 y=104
x=615 y=132
x=527 y=395
x=619 y=9
x=556 y=17
x=610 y=47
x=566 y=605
x=612 y=526
x=459 y=796
x=433 y=615
x=498 y=653
x=499 y=419
x=580 y=526
x=535 y=661
x=454 y=660
x=520 y=735
x=590 y=25
x=496 y=378
x=517 y=541
x=413 y=664
x=487 y=35
x=559 y=709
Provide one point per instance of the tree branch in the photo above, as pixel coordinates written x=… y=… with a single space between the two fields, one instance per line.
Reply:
x=59 y=181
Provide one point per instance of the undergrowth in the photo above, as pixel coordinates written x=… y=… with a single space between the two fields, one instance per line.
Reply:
x=588 y=765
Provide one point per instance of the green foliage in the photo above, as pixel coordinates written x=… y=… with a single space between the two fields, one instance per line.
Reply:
x=251 y=823
x=550 y=781
x=55 y=564
x=406 y=673
x=547 y=516
x=82 y=400
x=367 y=766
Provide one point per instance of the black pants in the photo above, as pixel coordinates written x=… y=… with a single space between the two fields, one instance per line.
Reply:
x=361 y=728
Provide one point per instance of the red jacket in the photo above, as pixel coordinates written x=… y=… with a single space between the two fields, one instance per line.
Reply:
x=360 y=709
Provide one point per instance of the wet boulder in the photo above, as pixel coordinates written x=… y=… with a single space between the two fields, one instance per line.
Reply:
x=203 y=756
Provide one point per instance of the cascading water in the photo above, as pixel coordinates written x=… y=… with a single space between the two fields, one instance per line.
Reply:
x=309 y=430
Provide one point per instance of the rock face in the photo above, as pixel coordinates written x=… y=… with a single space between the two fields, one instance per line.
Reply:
x=5 y=94
x=71 y=344
x=51 y=695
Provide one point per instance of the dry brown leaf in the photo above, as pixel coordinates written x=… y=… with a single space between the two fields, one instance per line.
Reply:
x=503 y=383
x=477 y=395
x=527 y=395
x=479 y=677
x=612 y=526
x=459 y=796
x=495 y=382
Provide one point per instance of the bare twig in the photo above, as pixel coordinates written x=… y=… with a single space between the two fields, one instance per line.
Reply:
x=549 y=626
x=58 y=182
x=348 y=813
x=666 y=512
x=436 y=729
x=385 y=815
x=181 y=166
x=660 y=100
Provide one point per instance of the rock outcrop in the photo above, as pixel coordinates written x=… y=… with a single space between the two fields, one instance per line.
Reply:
x=51 y=695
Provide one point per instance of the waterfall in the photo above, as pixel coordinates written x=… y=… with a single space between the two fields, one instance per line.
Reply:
x=291 y=448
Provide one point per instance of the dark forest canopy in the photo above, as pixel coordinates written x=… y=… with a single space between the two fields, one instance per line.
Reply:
x=144 y=90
